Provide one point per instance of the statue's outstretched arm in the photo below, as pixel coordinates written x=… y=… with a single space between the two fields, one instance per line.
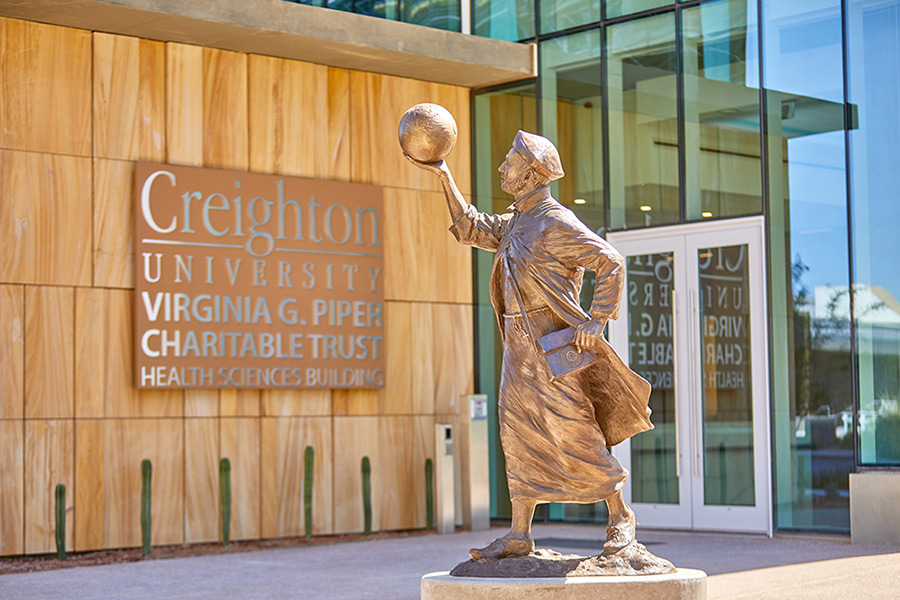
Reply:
x=470 y=226
x=455 y=201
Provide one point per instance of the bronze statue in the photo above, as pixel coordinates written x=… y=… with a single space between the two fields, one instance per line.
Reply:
x=554 y=426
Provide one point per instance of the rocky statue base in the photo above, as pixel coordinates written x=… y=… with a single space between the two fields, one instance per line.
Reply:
x=630 y=573
x=632 y=560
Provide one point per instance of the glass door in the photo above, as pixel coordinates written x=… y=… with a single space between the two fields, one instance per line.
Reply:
x=694 y=327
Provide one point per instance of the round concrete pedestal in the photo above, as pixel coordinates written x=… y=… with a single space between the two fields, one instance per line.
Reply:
x=684 y=584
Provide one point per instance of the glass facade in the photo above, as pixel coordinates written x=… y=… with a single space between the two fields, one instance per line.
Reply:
x=812 y=398
x=510 y=20
x=642 y=86
x=678 y=112
x=619 y=8
x=556 y=15
x=572 y=116
x=874 y=151
x=720 y=62
x=440 y=14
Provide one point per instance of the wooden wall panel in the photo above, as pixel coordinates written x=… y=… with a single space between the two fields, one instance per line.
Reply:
x=66 y=349
x=422 y=350
x=49 y=448
x=426 y=263
x=285 y=403
x=126 y=442
x=396 y=395
x=103 y=351
x=206 y=108
x=12 y=352
x=454 y=358
x=299 y=118
x=184 y=104
x=354 y=402
x=377 y=102
x=45 y=221
x=103 y=361
x=239 y=403
x=46 y=101
x=113 y=226
x=12 y=490
x=49 y=340
x=201 y=403
x=150 y=403
x=225 y=143
x=283 y=443
x=239 y=442
x=201 y=480
x=354 y=438
x=89 y=484
x=457 y=101
x=430 y=365
x=405 y=443
x=129 y=84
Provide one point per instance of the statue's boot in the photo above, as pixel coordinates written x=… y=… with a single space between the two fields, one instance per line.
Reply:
x=504 y=547
x=621 y=533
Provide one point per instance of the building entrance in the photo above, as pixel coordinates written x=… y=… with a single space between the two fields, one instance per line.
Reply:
x=694 y=326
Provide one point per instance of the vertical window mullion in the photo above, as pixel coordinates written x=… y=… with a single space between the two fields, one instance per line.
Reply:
x=679 y=93
x=604 y=103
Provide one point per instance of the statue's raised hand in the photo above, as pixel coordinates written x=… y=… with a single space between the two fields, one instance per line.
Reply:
x=439 y=168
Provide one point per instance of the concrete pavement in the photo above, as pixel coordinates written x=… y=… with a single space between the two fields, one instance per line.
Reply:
x=740 y=567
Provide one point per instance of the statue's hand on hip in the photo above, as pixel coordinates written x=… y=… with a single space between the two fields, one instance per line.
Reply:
x=589 y=335
x=439 y=168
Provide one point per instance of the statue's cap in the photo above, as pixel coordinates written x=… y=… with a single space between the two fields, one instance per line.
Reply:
x=540 y=153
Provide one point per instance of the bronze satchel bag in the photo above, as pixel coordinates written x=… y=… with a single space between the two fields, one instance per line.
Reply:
x=560 y=354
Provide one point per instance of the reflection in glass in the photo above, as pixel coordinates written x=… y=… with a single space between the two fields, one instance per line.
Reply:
x=617 y=8
x=874 y=77
x=497 y=117
x=583 y=513
x=721 y=109
x=724 y=308
x=808 y=267
x=385 y=9
x=651 y=355
x=643 y=128
x=572 y=119
x=440 y=14
x=557 y=15
x=510 y=20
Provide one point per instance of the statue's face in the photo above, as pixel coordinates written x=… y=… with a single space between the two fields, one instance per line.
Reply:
x=515 y=174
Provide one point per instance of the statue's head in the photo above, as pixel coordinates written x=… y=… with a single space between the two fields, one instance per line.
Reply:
x=533 y=162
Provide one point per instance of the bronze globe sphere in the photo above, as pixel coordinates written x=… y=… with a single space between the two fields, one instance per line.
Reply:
x=427 y=132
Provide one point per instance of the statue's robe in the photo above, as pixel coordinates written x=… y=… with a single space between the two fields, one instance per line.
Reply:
x=555 y=433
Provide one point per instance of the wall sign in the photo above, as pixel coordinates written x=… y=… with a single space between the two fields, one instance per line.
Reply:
x=246 y=280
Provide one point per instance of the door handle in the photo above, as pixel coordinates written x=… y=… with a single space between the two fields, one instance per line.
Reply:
x=674 y=380
x=696 y=365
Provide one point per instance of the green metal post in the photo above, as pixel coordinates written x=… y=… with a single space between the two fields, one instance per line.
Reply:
x=309 y=459
x=225 y=497
x=367 y=495
x=60 y=521
x=146 y=492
